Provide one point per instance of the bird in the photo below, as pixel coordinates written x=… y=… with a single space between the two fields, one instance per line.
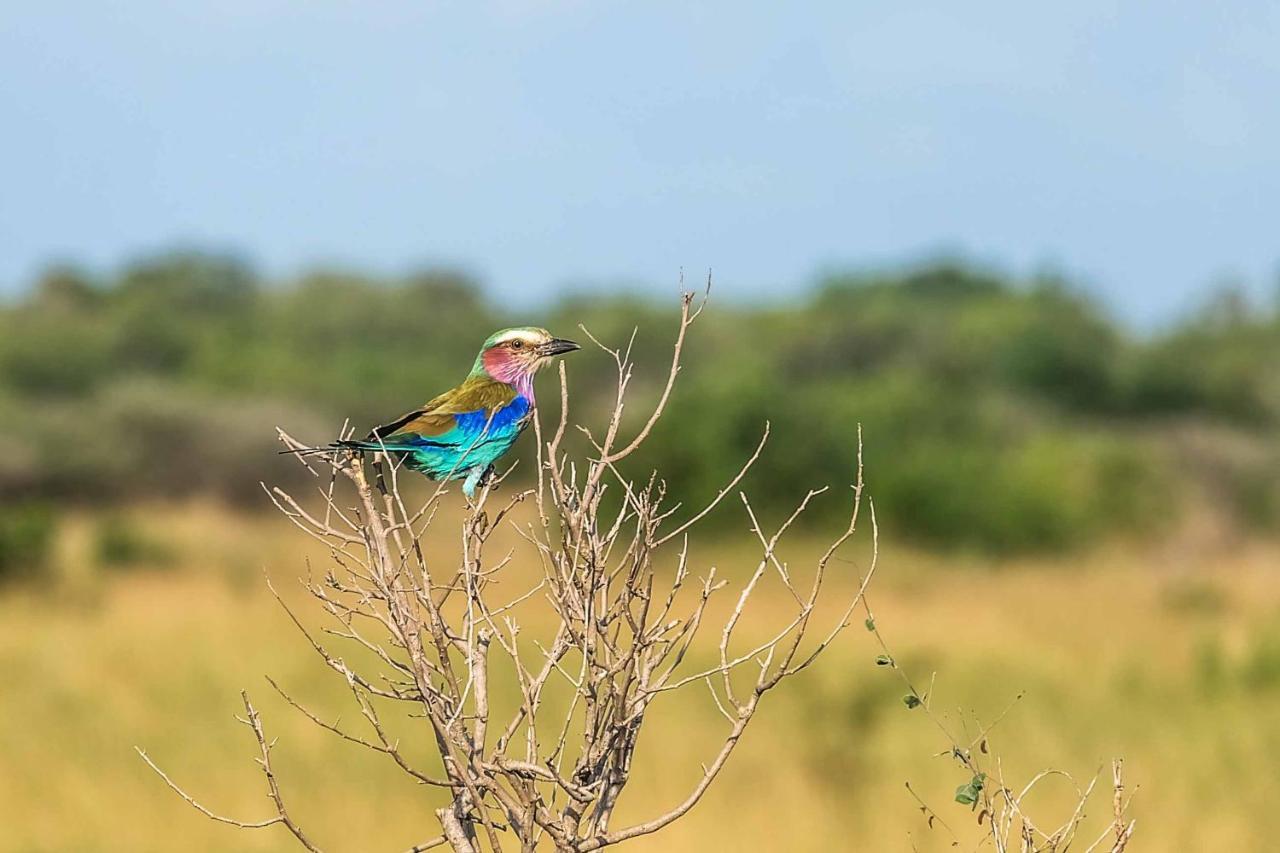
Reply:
x=460 y=434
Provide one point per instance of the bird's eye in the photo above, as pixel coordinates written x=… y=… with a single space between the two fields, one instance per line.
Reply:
x=517 y=344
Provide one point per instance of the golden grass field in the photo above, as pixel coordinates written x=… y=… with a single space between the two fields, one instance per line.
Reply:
x=1170 y=661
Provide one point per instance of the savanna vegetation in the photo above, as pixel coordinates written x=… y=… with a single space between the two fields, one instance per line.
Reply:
x=1000 y=415
x=1075 y=511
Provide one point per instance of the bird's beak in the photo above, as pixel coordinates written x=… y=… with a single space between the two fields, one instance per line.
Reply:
x=557 y=346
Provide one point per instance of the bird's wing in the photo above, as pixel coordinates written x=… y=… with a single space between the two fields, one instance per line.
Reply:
x=420 y=422
x=437 y=421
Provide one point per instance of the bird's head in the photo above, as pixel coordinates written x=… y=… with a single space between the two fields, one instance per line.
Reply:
x=513 y=356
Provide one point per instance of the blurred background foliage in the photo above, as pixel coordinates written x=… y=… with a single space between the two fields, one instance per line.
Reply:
x=999 y=414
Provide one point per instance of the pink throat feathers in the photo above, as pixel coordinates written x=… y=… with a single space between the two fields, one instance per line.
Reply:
x=502 y=366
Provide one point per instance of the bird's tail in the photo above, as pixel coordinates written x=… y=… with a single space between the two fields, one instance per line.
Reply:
x=309 y=451
x=344 y=444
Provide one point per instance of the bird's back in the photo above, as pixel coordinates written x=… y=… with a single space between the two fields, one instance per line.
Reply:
x=466 y=428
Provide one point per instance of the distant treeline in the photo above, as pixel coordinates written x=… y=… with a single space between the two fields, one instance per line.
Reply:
x=996 y=413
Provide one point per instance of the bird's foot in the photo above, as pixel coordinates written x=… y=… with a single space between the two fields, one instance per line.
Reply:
x=479 y=480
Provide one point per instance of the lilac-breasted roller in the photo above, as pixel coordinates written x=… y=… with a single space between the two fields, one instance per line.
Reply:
x=461 y=433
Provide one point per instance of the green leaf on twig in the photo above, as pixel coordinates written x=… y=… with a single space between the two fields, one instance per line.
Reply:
x=870 y=623
x=968 y=793
x=884 y=660
x=911 y=700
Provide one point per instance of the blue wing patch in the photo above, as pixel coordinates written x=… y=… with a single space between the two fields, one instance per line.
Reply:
x=477 y=440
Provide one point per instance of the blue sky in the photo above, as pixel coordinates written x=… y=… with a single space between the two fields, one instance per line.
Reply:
x=539 y=144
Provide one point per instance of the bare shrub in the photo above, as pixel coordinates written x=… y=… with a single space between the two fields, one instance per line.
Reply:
x=621 y=639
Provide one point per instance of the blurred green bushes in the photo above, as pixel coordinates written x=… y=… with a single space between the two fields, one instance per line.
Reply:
x=26 y=540
x=997 y=414
x=119 y=543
